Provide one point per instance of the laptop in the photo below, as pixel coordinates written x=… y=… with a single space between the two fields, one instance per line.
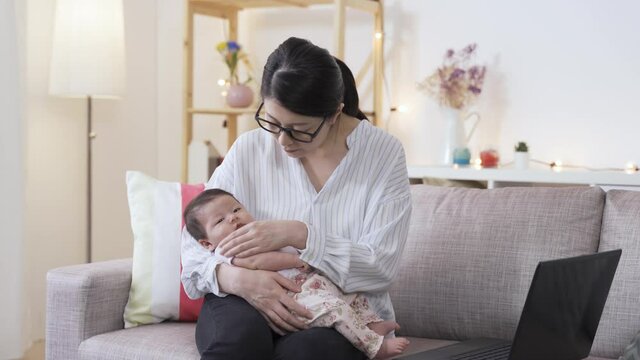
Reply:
x=559 y=319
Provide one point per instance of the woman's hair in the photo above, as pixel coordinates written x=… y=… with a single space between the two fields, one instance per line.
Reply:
x=308 y=80
x=194 y=227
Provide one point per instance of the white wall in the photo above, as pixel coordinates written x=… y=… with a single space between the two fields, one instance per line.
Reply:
x=12 y=177
x=562 y=76
x=127 y=133
x=54 y=217
x=169 y=43
x=56 y=154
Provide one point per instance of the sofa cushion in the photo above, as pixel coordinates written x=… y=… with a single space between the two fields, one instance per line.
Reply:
x=471 y=254
x=621 y=230
x=156 y=292
x=160 y=341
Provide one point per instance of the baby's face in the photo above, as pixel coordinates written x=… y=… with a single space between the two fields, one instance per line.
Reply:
x=220 y=217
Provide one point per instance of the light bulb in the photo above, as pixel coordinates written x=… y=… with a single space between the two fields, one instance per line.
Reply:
x=403 y=108
x=556 y=165
x=631 y=168
x=378 y=35
x=222 y=82
x=224 y=93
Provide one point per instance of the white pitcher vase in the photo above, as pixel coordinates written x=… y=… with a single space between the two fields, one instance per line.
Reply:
x=456 y=135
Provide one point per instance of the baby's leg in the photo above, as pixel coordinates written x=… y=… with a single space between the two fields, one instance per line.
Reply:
x=367 y=340
x=332 y=308
x=391 y=347
x=384 y=327
x=347 y=323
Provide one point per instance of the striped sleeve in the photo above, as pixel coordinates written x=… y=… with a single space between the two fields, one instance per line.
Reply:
x=369 y=263
x=198 y=266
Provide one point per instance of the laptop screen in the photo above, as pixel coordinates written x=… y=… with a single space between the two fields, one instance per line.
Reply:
x=563 y=308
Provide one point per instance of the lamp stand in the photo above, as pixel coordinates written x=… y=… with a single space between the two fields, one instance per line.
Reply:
x=90 y=136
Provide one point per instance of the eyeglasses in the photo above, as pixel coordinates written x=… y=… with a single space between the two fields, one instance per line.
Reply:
x=297 y=135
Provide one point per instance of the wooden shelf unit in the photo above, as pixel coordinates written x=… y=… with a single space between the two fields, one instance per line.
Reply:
x=228 y=9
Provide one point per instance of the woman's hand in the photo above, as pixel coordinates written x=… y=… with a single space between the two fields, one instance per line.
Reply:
x=262 y=236
x=267 y=292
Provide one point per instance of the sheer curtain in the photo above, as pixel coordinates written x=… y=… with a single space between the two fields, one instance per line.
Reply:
x=11 y=186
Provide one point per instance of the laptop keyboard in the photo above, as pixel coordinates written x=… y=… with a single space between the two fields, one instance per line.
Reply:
x=499 y=352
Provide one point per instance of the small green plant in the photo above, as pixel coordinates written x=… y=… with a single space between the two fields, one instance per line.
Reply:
x=521 y=147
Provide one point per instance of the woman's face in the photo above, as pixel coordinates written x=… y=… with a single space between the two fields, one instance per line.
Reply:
x=278 y=114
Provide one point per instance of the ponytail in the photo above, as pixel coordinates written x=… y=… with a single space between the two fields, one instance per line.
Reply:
x=350 y=99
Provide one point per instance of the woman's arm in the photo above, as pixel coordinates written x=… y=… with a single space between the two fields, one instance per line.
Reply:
x=267 y=292
x=370 y=262
x=264 y=290
x=272 y=261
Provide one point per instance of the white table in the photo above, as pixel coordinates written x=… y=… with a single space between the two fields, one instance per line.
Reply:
x=494 y=176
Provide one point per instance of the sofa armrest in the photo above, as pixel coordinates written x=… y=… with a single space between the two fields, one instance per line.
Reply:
x=83 y=301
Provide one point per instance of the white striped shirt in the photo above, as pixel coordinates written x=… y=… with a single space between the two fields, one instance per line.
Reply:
x=357 y=223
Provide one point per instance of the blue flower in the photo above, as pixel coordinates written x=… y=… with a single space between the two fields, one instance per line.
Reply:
x=233 y=46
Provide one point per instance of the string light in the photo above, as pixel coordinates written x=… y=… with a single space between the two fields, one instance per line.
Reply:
x=378 y=35
x=556 y=165
x=631 y=168
x=400 y=109
x=222 y=82
x=224 y=93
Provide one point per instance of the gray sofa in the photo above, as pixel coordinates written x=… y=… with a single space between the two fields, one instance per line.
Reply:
x=466 y=270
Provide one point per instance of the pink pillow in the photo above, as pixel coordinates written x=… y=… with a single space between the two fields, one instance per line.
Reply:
x=156 y=292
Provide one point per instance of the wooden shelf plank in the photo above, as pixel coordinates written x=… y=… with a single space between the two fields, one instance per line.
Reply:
x=364 y=5
x=235 y=111
x=250 y=4
x=222 y=111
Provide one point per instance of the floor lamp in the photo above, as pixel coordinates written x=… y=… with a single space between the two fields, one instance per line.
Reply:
x=88 y=61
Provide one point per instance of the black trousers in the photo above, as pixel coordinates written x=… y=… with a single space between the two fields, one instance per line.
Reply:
x=230 y=329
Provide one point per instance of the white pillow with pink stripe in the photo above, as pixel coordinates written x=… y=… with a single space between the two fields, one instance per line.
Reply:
x=156 y=210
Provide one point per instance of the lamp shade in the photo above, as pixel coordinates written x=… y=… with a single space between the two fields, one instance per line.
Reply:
x=88 y=54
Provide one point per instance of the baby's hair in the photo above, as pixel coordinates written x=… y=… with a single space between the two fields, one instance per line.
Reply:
x=194 y=227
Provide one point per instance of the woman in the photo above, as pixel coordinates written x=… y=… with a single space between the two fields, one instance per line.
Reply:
x=340 y=189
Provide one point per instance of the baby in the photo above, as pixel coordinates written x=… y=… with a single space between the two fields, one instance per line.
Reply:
x=215 y=213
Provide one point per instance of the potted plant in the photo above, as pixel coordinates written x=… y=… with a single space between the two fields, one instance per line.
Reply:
x=238 y=94
x=521 y=155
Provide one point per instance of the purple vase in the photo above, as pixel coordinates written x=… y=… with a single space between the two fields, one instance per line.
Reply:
x=239 y=96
